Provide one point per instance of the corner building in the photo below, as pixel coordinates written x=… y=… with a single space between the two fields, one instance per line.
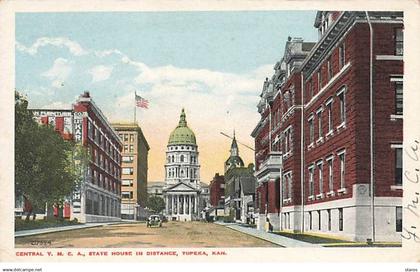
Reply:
x=182 y=190
x=98 y=198
x=348 y=141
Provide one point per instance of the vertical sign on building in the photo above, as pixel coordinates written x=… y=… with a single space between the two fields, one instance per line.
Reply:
x=78 y=136
x=78 y=126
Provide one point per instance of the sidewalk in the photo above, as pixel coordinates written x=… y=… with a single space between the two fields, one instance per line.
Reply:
x=23 y=233
x=271 y=237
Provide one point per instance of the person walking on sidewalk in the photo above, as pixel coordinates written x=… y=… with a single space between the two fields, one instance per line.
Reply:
x=268 y=226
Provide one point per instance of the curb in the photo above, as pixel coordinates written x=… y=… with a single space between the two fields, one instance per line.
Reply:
x=25 y=233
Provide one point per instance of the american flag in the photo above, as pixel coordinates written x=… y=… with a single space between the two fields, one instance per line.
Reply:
x=141 y=102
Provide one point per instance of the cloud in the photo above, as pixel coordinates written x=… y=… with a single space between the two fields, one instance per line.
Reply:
x=214 y=101
x=105 y=53
x=63 y=42
x=59 y=72
x=100 y=73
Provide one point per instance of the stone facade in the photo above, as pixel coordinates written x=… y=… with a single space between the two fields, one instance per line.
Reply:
x=182 y=174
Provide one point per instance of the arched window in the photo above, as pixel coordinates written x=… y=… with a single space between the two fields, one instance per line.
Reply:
x=173 y=158
x=182 y=158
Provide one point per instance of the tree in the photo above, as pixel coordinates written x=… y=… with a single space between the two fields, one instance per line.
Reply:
x=156 y=204
x=44 y=165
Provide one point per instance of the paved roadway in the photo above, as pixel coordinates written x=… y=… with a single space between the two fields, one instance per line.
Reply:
x=171 y=234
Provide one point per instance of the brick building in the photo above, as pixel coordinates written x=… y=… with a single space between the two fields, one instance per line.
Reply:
x=217 y=190
x=329 y=149
x=134 y=170
x=98 y=198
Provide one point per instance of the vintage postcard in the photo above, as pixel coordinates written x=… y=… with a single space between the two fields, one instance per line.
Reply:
x=228 y=131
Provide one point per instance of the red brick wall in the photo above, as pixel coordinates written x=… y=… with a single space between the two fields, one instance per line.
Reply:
x=216 y=192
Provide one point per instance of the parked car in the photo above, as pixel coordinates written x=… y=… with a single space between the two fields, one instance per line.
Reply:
x=154 y=220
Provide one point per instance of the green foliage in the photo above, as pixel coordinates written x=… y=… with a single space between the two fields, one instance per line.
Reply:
x=45 y=169
x=156 y=204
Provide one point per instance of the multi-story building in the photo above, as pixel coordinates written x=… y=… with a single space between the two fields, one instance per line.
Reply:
x=346 y=140
x=239 y=187
x=217 y=190
x=217 y=196
x=134 y=170
x=280 y=110
x=182 y=191
x=98 y=197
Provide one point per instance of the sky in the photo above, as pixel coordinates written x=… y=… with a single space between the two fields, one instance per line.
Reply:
x=213 y=64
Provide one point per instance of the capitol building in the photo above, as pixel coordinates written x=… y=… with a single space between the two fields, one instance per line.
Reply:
x=182 y=190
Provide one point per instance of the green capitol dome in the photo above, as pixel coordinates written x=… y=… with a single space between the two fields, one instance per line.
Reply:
x=182 y=134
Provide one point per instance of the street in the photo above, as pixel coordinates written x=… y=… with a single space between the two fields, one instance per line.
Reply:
x=171 y=234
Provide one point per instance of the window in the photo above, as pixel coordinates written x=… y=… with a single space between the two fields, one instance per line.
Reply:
x=127 y=182
x=398 y=219
x=319 y=116
x=329 y=109
x=330 y=70
x=125 y=148
x=399 y=41
x=131 y=148
x=329 y=219
x=341 y=55
x=101 y=160
x=289 y=185
x=131 y=137
x=342 y=169
x=127 y=170
x=311 y=181
x=126 y=195
x=340 y=219
x=127 y=158
x=319 y=220
x=125 y=137
x=320 y=177
x=330 y=174
x=311 y=89
x=398 y=166
x=182 y=158
x=311 y=130
x=283 y=185
x=398 y=97
x=287 y=140
x=341 y=97
x=319 y=80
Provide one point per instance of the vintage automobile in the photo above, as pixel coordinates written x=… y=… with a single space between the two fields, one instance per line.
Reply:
x=154 y=221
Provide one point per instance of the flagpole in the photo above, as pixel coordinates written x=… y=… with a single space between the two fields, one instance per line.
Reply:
x=135 y=106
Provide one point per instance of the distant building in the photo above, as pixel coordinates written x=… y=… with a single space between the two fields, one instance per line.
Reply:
x=217 y=191
x=134 y=170
x=182 y=189
x=98 y=199
x=239 y=187
x=155 y=188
